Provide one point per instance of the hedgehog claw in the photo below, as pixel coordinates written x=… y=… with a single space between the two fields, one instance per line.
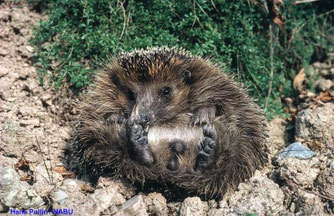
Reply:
x=139 y=143
x=203 y=161
x=204 y=116
x=205 y=156
x=210 y=132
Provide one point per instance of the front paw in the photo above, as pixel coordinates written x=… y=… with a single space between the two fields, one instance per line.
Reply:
x=204 y=115
x=139 y=144
x=206 y=155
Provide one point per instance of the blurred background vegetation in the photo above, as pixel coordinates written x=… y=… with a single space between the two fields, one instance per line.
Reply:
x=263 y=43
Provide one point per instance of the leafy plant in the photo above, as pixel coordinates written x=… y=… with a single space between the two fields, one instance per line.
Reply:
x=235 y=34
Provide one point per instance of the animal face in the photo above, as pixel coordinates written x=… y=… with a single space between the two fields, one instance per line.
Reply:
x=152 y=88
x=155 y=100
x=158 y=102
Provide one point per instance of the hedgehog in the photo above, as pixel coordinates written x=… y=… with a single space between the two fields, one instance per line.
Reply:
x=165 y=115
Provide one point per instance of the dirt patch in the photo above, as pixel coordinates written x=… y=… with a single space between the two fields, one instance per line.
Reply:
x=32 y=141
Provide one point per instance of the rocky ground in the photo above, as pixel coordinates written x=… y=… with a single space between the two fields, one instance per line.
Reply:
x=32 y=140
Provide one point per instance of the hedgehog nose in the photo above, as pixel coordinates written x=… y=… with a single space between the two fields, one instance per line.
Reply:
x=144 y=119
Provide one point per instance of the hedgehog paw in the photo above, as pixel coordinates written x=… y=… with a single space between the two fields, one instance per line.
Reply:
x=141 y=148
x=205 y=157
x=173 y=164
x=177 y=147
x=204 y=115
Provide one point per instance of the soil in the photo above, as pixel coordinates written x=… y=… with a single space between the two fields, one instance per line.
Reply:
x=33 y=137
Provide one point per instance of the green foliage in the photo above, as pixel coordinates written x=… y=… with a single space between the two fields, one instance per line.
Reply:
x=80 y=32
x=250 y=214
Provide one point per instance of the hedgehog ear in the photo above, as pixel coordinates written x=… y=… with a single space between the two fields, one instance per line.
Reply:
x=187 y=78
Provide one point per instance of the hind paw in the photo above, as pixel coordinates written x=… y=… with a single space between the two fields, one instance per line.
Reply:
x=206 y=155
x=177 y=148
x=173 y=164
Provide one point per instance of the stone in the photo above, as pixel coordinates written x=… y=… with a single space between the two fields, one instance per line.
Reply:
x=24 y=74
x=33 y=86
x=3 y=71
x=277 y=135
x=259 y=195
x=25 y=110
x=192 y=206
x=30 y=49
x=156 y=204
x=45 y=97
x=133 y=206
x=323 y=84
x=3 y=51
x=60 y=196
x=309 y=204
x=331 y=71
x=325 y=65
x=325 y=182
x=324 y=72
x=103 y=199
x=317 y=65
x=316 y=124
x=298 y=173
x=15 y=193
x=30 y=122
x=296 y=150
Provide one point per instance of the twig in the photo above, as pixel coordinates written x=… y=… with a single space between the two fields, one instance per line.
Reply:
x=200 y=7
x=265 y=5
x=305 y=1
x=214 y=6
x=196 y=17
x=46 y=167
x=271 y=65
x=50 y=158
x=124 y=20
x=194 y=14
x=319 y=102
x=68 y=58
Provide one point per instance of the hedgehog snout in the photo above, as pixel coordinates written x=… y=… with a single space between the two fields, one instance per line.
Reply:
x=141 y=114
x=141 y=117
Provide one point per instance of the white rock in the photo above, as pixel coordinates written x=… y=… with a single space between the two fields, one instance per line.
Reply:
x=15 y=193
x=134 y=206
x=192 y=206
x=30 y=48
x=259 y=195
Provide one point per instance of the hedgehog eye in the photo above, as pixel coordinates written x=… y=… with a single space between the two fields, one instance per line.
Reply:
x=131 y=95
x=186 y=74
x=166 y=91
